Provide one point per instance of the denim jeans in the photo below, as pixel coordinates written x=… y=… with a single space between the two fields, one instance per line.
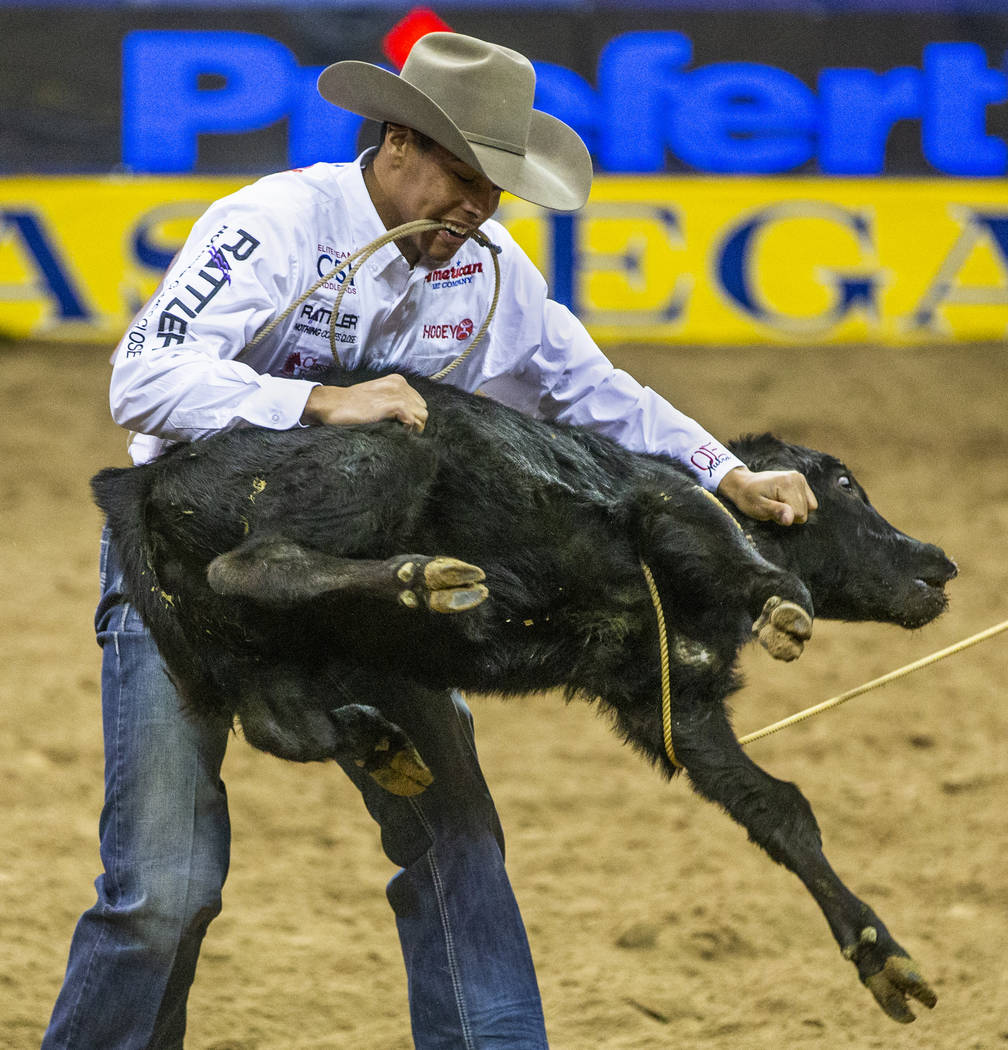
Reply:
x=165 y=841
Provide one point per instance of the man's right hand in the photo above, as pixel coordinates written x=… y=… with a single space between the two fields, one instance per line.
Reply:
x=389 y=397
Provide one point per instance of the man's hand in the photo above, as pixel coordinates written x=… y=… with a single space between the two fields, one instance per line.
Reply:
x=783 y=496
x=389 y=397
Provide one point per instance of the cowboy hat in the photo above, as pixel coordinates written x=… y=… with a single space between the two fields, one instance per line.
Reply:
x=474 y=99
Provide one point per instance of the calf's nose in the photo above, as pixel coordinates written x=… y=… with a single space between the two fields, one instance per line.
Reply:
x=937 y=567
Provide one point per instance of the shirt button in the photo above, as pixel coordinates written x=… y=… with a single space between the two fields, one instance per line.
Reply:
x=275 y=417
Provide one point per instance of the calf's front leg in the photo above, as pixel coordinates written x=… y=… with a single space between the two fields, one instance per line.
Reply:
x=706 y=564
x=779 y=819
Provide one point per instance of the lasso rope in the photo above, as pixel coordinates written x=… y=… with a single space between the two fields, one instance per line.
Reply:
x=826 y=705
x=351 y=265
x=926 y=661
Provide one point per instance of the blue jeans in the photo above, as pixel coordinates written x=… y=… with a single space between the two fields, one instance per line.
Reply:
x=165 y=840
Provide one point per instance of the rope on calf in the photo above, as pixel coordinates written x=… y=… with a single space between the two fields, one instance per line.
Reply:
x=666 y=687
x=892 y=676
x=352 y=264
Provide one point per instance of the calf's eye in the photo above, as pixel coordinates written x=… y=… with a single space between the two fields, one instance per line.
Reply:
x=844 y=482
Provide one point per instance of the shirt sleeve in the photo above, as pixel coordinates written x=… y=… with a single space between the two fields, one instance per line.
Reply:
x=174 y=374
x=563 y=375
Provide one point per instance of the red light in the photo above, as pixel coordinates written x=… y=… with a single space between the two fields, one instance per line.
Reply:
x=399 y=40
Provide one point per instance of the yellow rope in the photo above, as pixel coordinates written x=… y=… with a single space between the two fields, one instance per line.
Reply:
x=666 y=689
x=925 y=661
x=354 y=262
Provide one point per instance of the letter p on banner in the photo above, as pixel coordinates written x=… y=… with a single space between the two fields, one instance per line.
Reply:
x=165 y=107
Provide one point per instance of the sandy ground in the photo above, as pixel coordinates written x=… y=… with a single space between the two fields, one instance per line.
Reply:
x=653 y=922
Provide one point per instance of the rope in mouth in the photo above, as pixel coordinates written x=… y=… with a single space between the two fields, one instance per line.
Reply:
x=352 y=264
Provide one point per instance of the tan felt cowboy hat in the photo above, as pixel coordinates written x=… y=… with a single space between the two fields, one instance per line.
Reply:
x=475 y=99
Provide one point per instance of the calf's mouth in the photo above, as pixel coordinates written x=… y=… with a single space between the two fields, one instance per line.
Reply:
x=927 y=598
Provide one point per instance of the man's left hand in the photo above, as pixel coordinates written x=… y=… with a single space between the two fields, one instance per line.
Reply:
x=783 y=496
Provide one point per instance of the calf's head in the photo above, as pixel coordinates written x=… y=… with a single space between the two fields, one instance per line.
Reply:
x=855 y=564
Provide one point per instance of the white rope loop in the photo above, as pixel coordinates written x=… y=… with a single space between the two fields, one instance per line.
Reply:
x=351 y=266
x=480 y=238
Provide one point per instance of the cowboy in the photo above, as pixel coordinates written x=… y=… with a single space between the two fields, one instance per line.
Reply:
x=208 y=353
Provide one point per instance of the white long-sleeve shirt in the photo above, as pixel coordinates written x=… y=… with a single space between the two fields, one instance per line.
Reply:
x=181 y=371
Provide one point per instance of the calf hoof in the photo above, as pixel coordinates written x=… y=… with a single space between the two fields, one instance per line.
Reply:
x=379 y=748
x=443 y=585
x=401 y=772
x=897 y=981
x=783 y=628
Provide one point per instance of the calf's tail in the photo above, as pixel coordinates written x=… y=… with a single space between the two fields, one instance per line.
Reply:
x=123 y=493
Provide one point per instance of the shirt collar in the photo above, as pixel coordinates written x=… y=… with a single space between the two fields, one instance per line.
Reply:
x=365 y=223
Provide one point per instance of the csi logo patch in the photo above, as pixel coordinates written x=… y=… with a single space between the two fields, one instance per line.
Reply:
x=328 y=258
x=462 y=330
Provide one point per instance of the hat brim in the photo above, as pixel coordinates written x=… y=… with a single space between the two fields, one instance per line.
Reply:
x=555 y=171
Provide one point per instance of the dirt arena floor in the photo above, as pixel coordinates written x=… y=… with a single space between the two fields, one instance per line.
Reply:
x=653 y=922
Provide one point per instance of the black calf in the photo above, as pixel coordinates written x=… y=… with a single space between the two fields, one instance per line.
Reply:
x=290 y=578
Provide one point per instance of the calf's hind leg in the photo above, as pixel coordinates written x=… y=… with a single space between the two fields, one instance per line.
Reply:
x=277 y=572
x=388 y=756
x=281 y=714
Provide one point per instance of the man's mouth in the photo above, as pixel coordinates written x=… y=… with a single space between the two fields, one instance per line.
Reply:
x=455 y=232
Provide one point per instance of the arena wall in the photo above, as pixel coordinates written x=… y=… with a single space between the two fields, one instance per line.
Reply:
x=766 y=173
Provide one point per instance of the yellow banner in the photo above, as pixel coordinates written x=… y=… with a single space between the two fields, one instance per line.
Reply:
x=677 y=260
x=78 y=256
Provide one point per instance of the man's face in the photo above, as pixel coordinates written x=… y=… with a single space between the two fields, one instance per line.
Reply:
x=431 y=183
